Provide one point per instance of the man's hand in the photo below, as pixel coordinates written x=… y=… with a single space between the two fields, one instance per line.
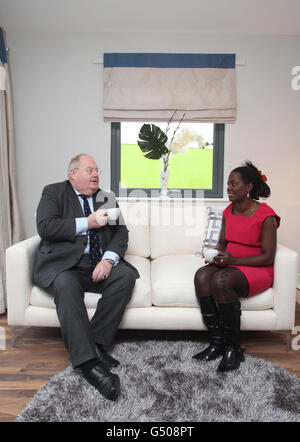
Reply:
x=101 y=271
x=97 y=219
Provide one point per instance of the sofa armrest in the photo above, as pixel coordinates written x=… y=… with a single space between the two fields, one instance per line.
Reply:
x=19 y=267
x=284 y=287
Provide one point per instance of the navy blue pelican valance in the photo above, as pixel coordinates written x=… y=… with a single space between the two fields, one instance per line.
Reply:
x=3 y=55
x=217 y=61
x=151 y=86
x=3 y=62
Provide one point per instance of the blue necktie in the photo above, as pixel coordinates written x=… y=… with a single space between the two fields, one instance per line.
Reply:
x=95 y=249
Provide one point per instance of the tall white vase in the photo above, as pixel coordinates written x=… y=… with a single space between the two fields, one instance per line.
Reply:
x=164 y=180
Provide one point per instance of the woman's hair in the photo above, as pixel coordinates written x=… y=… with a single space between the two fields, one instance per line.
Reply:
x=250 y=174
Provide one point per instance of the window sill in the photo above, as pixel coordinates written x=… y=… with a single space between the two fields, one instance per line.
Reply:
x=175 y=199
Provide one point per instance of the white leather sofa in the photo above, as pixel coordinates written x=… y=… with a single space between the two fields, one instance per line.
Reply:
x=163 y=239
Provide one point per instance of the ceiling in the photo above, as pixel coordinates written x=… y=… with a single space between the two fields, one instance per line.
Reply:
x=263 y=17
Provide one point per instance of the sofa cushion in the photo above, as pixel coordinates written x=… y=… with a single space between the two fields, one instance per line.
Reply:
x=136 y=216
x=173 y=280
x=173 y=284
x=141 y=296
x=176 y=230
x=41 y=298
x=263 y=301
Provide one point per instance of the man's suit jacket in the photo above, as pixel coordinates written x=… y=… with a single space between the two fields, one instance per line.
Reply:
x=60 y=248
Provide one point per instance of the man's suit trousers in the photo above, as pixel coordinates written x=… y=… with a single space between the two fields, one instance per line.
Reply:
x=79 y=333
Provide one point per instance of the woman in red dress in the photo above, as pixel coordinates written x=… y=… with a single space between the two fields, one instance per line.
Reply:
x=242 y=268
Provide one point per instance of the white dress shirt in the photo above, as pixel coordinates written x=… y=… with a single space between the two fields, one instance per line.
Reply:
x=82 y=229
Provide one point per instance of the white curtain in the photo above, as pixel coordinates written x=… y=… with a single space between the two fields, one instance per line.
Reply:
x=150 y=87
x=11 y=228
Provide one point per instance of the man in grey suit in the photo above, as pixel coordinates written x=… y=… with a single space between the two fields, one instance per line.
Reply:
x=80 y=250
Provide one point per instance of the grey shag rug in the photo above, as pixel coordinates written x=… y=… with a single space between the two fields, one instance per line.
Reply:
x=160 y=382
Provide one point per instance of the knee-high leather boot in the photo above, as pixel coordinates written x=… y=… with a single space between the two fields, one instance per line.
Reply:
x=231 y=319
x=211 y=320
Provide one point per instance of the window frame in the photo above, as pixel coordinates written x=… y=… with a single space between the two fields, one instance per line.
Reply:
x=218 y=168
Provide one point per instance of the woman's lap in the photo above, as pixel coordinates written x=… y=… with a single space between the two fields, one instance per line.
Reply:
x=225 y=284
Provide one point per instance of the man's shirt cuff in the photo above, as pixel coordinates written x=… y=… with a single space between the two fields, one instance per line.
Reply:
x=81 y=226
x=111 y=255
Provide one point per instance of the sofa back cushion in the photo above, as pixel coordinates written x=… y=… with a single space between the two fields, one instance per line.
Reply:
x=176 y=230
x=136 y=216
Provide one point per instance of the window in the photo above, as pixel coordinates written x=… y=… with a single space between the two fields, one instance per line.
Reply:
x=197 y=172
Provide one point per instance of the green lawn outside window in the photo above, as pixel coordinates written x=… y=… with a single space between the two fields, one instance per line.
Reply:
x=190 y=170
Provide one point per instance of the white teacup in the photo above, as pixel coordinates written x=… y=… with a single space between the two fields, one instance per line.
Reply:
x=209 y=254
x=113 y=213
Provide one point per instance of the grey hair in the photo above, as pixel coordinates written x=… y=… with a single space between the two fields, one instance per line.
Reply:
x=74 y=163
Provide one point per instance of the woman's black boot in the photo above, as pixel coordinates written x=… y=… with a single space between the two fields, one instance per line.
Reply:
x=231 y=319
x=211 y=320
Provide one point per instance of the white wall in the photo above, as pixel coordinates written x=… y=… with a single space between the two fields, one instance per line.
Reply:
x=58 y=95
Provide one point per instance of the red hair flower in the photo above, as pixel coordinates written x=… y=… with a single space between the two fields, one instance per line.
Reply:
x=263 y=176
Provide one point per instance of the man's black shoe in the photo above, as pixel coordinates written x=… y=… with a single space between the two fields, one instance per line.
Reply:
x=107 y=360
x=108 y=384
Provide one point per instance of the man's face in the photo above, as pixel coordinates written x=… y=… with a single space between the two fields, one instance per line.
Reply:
x=85 y=178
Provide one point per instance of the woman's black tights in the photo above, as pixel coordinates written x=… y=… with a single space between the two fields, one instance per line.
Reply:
x=224 y=284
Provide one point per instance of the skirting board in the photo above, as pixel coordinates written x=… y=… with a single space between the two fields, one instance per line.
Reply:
x=298 y=288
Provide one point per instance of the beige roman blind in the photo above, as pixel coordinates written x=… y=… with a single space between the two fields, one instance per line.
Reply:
x=150 y=87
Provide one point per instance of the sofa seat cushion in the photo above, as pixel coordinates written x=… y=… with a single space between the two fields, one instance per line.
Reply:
x=262 y=301
x=173 y=280
x=173 y=284
x=41 y=298
x=141 y=296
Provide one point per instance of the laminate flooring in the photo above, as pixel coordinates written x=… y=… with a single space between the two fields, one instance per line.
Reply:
x=30 y=356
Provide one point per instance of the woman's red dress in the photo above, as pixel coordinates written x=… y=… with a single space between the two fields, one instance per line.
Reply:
x=243 y=235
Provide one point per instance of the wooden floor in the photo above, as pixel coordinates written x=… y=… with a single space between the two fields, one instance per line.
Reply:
x=38 y=354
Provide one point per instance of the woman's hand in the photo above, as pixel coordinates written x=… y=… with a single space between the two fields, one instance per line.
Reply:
x=224 y=258
x=264 y=258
